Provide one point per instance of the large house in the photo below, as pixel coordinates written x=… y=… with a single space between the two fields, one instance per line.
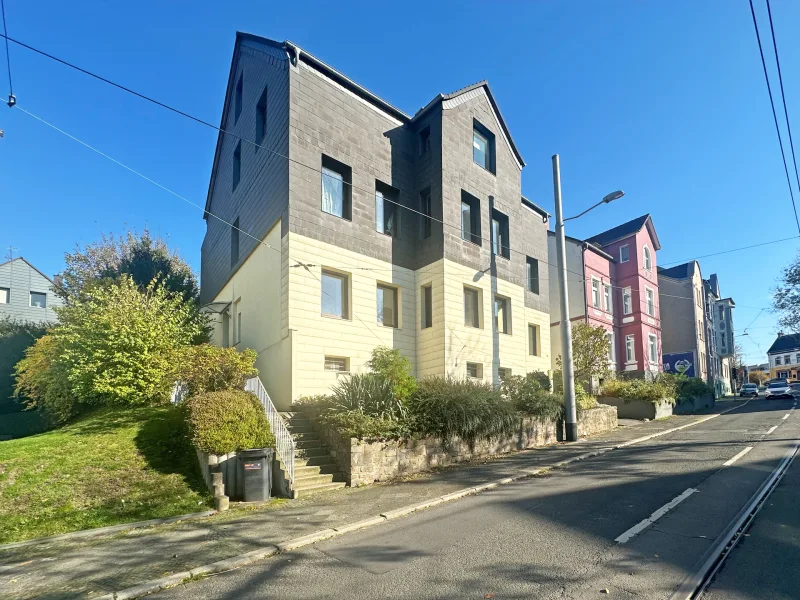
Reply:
x=784 y=357
x=697 y=326
x=337 y=223
x=612 y=283
x=27 y=294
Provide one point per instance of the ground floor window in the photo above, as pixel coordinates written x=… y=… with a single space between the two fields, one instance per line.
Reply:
x=475 y=370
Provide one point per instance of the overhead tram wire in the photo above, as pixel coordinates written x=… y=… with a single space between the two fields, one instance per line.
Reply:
x=274 y=152
x=11 y=98
x=783 y=94
x=774 y=114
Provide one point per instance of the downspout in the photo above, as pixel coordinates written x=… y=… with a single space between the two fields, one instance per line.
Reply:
x=294 y=52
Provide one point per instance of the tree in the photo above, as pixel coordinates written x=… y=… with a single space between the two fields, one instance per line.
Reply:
x=141 y=256
x=396 y=368
x=114 y=345
x=15 y=337
x=786 y=298
x=590 y=351
x=758 y=377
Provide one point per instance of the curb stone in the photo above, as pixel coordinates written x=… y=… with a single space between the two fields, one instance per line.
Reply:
x=247 y=558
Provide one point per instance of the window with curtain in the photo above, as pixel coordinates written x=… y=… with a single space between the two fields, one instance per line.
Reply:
x=332 y=192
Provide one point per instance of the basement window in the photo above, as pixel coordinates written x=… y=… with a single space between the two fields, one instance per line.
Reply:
x=339 y=364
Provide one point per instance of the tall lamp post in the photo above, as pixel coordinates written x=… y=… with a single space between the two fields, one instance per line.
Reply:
x=567 y=367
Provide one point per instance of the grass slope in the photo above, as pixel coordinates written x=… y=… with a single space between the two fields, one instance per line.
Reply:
x=107 y=468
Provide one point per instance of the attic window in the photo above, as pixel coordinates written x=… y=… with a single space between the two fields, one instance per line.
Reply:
x=483 y=147
x=424 y=140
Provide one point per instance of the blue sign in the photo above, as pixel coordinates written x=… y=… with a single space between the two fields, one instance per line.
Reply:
x=679 y=363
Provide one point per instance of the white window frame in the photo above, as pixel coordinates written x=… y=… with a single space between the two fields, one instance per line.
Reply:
x=506 y=314
x=652 y=348
x=478 y=307
x=608 y=294
x=648 y=293
x=596 y=301
x=394 y=293
x=612 y=354
x=30 y=299
x=777 y=361
x=627 y=301
x=534 y=339
x=5 y=295
x=647 y=258
x=478 y=370
x=426 y=312
x=330 y=361
x=345 y=282
x=630 y=349
x=621 y=248
x=503 y=373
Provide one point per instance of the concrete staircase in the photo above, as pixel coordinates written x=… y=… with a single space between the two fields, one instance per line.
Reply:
x=314 y=467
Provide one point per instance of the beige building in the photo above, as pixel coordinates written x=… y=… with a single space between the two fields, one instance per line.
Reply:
x=383 y=229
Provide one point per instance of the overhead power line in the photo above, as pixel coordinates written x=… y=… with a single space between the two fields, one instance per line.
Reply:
x=8 y=56
x=774 y=114
x=783 y=94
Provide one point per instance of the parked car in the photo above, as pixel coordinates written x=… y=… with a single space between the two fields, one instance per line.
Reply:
x=749 y=389
x=779 y=390
x=795 y=389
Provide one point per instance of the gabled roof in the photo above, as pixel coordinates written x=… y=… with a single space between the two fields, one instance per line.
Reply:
x=626 y=229
x=684 y=271
x=296 y=53
x=20 y=258
x=465 y=90
x=785 y=343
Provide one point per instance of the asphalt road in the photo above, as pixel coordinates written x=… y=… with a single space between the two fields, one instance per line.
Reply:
x=579 y=533
x=765 y=562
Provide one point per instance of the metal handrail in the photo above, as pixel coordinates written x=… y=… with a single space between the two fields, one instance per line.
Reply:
x=284 y=442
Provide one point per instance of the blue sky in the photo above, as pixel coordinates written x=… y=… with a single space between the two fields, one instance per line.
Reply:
x=665 y=100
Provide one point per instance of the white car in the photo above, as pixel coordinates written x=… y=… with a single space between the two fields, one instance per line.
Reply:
x=779 y=389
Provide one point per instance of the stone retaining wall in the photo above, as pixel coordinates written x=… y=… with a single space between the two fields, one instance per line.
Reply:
x=639 y=409
x=366 y=462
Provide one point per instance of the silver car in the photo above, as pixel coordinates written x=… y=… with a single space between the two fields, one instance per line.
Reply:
x=779 y=389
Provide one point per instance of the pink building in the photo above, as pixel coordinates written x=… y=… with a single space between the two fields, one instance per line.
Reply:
x=613 y=283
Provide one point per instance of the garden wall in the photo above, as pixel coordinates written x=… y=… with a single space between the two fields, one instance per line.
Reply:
x=693 y=404
x=366 y=462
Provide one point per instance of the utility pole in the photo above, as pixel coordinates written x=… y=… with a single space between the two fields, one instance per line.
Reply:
x=567 y=367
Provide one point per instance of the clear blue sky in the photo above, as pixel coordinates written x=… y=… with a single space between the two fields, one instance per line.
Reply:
x=665 y=100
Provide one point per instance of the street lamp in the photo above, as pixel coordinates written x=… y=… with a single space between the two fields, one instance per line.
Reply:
x=567 y=367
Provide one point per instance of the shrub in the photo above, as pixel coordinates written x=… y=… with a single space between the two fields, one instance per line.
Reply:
x=207 y=368
x=15 y=337
x=692 y=387
x=355 y=424
x=396 y=368
x=118 y=342
x=42 y=381
x=583 y=399
x=227 y=421
x=663 y=387
x=368 y=393
x=528 y=396
x=470 y=410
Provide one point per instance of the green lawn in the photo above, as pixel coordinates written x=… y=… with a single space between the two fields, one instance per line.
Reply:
x=107 y=468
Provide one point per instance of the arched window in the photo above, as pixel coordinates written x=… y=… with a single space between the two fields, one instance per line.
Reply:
x=648 y=262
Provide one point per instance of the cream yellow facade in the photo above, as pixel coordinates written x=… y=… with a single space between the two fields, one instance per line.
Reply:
x=274 y=299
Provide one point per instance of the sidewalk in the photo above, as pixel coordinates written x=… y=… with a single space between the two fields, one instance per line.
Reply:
x=92 y=567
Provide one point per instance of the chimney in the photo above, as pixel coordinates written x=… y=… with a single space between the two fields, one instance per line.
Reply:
x=58 y=280
x=780 y=334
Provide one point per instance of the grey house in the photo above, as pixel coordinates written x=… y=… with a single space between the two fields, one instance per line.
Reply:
x=26 y=293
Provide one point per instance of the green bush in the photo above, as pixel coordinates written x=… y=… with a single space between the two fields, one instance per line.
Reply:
x=689 y=388
x=42 y=381
x=207 y=368
x=583 y=399
x=447 y=408
x=228 y=421
x=529 y=396
x=355 y=424
x=368 y=393
x=15 y=337
x=663 y=387
x=396 y=368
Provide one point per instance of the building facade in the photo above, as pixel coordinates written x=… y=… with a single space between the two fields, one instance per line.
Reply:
x=383 y=229
x=696 y=321
x=612 y=283
x=784 y=357
x=27 y=294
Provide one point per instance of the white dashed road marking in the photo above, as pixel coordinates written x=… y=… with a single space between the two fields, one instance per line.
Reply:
x=771 y=429
x=638 y=528
x=786 y=416
x=730 y=461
